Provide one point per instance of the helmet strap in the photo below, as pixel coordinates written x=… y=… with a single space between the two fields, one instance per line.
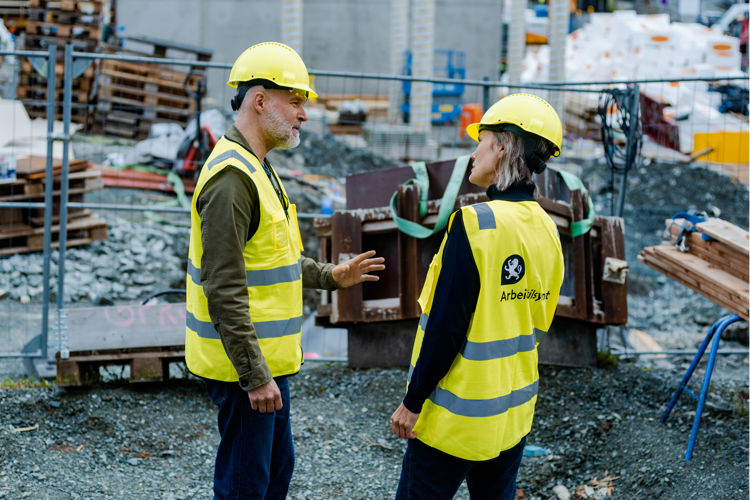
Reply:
x=242 y=89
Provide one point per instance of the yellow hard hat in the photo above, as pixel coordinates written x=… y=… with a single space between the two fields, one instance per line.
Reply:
x=275 y=62
x=526 y=111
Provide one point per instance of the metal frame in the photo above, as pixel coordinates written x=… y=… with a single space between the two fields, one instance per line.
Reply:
x=76 y=62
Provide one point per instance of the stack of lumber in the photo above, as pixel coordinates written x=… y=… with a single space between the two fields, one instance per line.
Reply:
x=61 y=22
x=132 y=96
x=715 y=266
x=22 y=229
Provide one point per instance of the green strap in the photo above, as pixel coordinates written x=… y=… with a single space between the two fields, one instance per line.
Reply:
x=446 y=202
x=580 y=227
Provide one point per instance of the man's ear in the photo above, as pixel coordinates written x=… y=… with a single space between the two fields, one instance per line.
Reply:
x=259 y=100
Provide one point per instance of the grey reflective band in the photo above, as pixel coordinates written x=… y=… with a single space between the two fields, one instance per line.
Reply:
x=484 y=351
x=194 y=273
x=230 y=154
x=485 y=216
x=411 y=370
x=283 y=274
x=278 y=328
x=204 y=329
x=423 y=321
x=263 y=329
x=483 y=407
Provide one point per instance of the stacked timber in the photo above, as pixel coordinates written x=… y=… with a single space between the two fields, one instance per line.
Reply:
x=62 y=22
x=710 y=258
x=22 y=229
x=131 y=96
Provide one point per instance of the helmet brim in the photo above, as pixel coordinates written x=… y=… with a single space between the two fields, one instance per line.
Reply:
x=472 y=130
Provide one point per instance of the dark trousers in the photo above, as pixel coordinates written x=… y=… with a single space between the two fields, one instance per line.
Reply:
x=428 y=473
x=255 y=458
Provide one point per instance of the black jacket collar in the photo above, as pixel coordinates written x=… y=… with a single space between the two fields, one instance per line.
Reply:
x=517 y=192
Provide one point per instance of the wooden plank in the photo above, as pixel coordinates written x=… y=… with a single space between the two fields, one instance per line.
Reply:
x=690 y=282
x=614 y=295
x=715 y=252
x=346 y=242
x=727 y=233
x=708 y=280
x=127 y=326
x=409 y=252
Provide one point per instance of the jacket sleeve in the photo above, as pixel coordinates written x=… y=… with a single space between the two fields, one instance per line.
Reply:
x=453 y=305
x=317 y=275
x=226 y=207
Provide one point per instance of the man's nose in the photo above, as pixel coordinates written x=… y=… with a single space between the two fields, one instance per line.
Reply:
x=302 y=116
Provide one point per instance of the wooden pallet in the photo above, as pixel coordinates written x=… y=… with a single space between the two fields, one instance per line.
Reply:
x=23 y=239
x=147 y=337
x=82 y=368
x=39 y=93
x=68 y=31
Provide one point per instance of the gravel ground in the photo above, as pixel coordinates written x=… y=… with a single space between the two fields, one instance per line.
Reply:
x=598 y=428
x=158 y=441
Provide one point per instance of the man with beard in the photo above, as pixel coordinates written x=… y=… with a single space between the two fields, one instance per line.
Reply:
x=246 y=274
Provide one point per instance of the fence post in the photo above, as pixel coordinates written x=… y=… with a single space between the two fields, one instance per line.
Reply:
x=63 y=238
x=485 y=96
x=632 y=146
x=48 y=187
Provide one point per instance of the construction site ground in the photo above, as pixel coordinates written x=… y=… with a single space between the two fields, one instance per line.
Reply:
x=598 y=428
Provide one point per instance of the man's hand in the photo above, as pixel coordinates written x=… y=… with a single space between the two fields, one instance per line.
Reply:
x=265 y=398
x=402 y=422
x=354 y=271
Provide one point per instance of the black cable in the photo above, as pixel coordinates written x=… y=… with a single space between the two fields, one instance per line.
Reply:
x=614 y=111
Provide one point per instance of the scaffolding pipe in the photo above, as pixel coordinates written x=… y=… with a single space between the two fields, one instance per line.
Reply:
x=423 y=43
x=399 y=43
x=516 y=40
x=291 y=24
x=559 y=21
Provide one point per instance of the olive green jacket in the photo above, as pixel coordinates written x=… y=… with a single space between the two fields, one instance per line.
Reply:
x=228 y=207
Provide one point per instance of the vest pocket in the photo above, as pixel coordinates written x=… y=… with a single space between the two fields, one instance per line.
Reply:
x=280 y=232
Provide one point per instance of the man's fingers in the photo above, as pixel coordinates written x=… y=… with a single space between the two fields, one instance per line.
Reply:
x=278 y=403
x=370 y=277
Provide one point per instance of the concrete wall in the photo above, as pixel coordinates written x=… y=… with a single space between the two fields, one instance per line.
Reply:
x=340 y=35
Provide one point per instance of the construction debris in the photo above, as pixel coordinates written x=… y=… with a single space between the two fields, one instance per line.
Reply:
x=708 y=257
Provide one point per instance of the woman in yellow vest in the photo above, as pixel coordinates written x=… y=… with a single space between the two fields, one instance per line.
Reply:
x=489 y=295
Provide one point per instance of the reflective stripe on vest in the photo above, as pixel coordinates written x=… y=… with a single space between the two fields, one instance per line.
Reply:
x=263 y=277
x=485 y=403
x=273 y=272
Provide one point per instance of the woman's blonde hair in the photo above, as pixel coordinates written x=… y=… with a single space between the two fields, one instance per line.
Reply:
x=512 y=167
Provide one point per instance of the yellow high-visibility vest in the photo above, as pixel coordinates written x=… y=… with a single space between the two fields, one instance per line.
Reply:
x=274 y=277
x=485 y=403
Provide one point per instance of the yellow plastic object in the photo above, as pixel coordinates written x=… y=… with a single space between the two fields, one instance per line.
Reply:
x=274 y=62
x=527 y=111
x=728 y=147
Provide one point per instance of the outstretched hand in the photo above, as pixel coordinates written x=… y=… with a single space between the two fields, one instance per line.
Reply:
x=355 y=271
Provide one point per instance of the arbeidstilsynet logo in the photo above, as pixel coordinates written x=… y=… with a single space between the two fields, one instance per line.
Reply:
x=513 y=270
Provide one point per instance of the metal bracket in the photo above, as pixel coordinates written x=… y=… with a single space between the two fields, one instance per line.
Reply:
x=80 y=65
x=615 y=270
x=39 y=63
x=61 y=329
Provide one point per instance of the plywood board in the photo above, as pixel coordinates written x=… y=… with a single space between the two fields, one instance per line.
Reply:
x=727 y=233
x=125 y=327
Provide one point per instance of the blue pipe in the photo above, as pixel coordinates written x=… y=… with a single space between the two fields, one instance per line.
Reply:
x=722 y=325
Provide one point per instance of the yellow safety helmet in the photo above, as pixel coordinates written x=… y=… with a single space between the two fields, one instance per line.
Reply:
x=526 y=111
x=274 y=62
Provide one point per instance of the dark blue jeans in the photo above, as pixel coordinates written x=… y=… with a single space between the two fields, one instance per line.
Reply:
x=255 y=458
x=428 y=473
